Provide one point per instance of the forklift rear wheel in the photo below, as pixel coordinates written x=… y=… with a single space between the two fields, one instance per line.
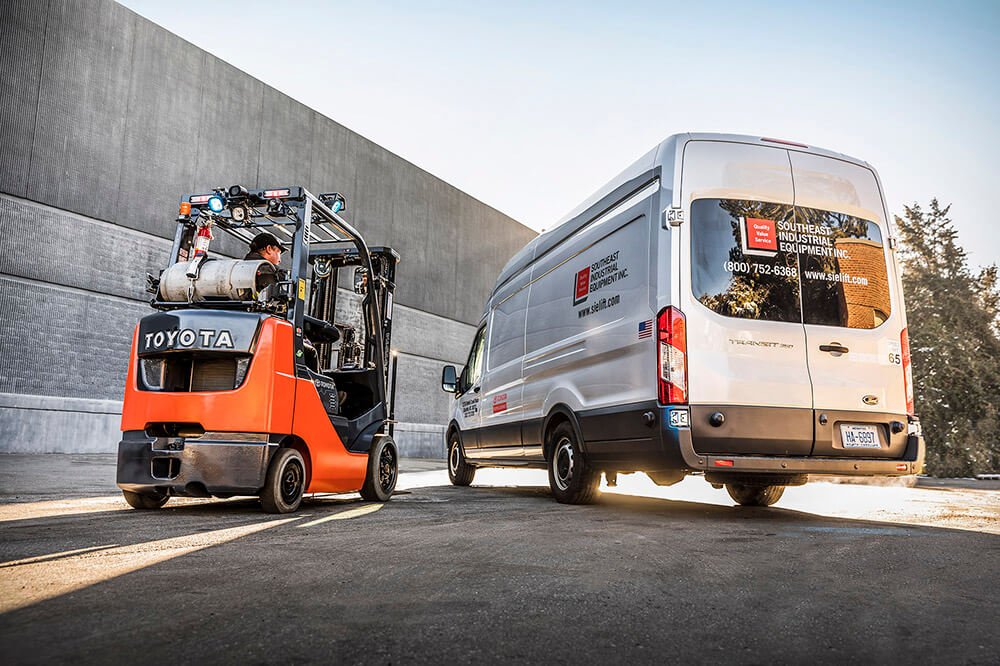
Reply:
x=460 y=472
x=285 y=482
x=383 y=470
x=746 y=494
x=152 y=500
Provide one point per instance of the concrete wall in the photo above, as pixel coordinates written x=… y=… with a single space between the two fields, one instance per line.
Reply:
x=105 y=120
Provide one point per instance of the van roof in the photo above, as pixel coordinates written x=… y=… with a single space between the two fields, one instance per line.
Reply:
x=643 y=170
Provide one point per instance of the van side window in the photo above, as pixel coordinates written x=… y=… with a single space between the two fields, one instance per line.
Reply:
x=474 y=365
x=844 y=276
x=507 y=330
x=739 y=267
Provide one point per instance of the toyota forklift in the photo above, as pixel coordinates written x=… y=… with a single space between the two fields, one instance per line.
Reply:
x=254 y=380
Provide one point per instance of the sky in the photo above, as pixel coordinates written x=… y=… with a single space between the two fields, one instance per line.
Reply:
x=530 y=107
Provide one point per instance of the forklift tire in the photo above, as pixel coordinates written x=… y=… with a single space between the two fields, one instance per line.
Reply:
x=460 y=472
x=145 y=501
x=285 y=482
x=383 y=470
x=746 y=494
x=572 y=481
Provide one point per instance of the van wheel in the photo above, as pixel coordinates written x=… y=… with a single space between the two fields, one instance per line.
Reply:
x=285 y=482
x=746 y=494
x=383 y=470
x=145 y=501
x=460 y=472
x=571 y=480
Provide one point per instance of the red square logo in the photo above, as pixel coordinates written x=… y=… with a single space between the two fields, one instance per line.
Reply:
x=761 y=234
x=582 y=286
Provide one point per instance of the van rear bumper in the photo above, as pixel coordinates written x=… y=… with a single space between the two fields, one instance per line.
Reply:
x=215 y=464
x=681 y=440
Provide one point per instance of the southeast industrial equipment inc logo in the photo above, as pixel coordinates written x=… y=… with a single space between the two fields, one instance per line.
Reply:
x=602 y=273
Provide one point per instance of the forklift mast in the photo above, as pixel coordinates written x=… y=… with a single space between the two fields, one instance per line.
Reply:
x=321 y=245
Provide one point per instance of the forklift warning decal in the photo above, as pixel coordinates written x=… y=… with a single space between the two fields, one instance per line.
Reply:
x=185 y=338
x=499 y=403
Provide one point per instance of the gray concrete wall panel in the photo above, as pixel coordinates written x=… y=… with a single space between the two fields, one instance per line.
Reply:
x=158 y=159
x=50 y=245
x=226 y=139
x=63 y=342
x=22 y=41
x=285 y=142
x=419 y=398
x=76 y=155
x=332 y=168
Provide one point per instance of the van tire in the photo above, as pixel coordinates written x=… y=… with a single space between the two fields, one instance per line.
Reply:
x=746 y=494
x=383 y=471
x=285 y=483
x=145 y=501
x=572 y=481
x=460 y=472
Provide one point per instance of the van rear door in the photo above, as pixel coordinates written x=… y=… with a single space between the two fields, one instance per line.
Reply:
x=850 y=308
x=745 y=340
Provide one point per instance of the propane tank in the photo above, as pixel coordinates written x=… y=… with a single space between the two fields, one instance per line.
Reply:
x=229 y=279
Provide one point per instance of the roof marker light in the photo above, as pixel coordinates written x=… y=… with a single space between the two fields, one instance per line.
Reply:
x=273 y=194
x=200 y=198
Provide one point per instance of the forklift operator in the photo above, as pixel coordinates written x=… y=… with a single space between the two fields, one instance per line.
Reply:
x=265 y=246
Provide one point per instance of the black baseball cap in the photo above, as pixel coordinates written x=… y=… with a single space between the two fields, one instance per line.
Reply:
x=264 y=239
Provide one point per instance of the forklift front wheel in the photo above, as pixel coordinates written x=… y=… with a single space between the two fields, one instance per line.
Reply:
x=285 y=482
x=145 y=500
x=383 y=470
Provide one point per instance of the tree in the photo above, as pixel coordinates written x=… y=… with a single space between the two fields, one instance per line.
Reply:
x=954 y=329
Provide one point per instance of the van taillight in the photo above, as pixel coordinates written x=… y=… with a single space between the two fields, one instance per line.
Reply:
x=671 y=329
x=904 y=343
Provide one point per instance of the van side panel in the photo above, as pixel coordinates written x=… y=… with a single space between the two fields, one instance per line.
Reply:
x=589 y=335
x=501 y=403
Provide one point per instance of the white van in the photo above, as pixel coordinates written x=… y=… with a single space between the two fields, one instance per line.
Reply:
x=728 y=305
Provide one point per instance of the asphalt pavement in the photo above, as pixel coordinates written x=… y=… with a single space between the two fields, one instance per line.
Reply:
x=496 y=572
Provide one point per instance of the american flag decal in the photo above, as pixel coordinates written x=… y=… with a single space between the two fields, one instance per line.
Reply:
x=645 y=329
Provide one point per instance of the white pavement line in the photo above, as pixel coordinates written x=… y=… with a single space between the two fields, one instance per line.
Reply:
x=345 y=515
x=53 y=556
x=33 y=582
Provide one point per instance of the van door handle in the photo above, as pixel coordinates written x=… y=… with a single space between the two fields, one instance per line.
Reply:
x=839 y=349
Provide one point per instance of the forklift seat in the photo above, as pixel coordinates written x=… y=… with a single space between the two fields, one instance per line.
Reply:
x=318 y=330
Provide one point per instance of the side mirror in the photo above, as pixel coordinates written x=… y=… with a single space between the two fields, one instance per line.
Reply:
x=449 y=379
x=360 y=280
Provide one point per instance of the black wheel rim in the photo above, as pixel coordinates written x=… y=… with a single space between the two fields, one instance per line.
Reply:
x=291 y=482
x=387 y=468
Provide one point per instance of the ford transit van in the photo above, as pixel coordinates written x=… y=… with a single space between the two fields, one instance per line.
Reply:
x=728 y=305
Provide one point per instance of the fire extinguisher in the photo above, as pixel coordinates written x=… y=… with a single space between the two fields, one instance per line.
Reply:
x=201 y=240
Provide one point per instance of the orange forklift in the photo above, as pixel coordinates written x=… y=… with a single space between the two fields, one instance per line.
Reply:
x=254 y=380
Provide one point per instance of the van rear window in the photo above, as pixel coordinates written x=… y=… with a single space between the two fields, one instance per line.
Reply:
x=738 y=267
x=752 y=260
x=845 y=284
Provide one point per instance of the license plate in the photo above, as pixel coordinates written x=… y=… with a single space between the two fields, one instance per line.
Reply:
x=859 y=436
